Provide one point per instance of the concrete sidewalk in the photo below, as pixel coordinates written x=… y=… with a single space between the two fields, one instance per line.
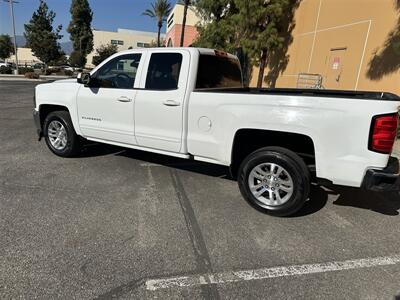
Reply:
x=10 y=77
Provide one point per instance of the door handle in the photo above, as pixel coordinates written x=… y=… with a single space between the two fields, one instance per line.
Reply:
x=124 y=99
x=171 y=103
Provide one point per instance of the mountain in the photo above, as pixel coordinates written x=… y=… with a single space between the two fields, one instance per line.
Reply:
x=21 y=41
x=65 y=46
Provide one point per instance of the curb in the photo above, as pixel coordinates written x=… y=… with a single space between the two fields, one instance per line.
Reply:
x=22 y=78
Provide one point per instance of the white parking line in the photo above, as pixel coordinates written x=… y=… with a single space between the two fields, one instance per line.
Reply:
x=265 y=273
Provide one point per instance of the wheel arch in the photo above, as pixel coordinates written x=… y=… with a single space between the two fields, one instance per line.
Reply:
x=46 y=109
x=248 y=140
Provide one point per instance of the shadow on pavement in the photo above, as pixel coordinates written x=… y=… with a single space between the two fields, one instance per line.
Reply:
x=178 y=163
x=387 y=203
x=94 y=149
x=384 y=203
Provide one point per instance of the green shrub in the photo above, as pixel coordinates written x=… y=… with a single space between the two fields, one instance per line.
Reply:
x=68 y=73
x=5 y=70
x=23 y=70
x=32 y=75
x=52 y=71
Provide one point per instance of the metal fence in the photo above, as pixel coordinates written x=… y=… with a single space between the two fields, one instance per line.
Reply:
x=309 y=81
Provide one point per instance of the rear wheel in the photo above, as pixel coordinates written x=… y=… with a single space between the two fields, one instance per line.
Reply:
x=60 y=135
x=274 y=180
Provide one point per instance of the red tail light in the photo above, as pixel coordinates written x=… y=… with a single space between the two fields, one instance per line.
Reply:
x=383 y=133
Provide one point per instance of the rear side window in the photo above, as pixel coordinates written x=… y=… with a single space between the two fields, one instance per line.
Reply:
x=218 y=72
x=163 y=72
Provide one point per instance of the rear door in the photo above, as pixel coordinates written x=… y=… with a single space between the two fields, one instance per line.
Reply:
x=160 y=100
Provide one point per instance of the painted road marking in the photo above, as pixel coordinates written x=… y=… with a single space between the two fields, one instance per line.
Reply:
x=266 y=273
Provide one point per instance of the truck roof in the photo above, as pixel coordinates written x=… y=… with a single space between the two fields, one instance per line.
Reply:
x=204 y=51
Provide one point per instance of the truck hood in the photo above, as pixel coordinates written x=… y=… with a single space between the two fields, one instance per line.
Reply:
x=61 y=92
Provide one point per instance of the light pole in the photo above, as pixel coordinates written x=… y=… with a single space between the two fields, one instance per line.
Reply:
x=15 y=39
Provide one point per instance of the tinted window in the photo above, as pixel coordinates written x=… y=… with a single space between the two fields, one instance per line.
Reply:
x=118 y=73
x=218 y=72
x=163 y=71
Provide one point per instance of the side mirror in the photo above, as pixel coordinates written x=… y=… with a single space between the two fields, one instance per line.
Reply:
x=83 y=78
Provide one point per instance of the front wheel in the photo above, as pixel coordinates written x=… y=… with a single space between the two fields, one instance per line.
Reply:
x=60 y=135
x=275 y=181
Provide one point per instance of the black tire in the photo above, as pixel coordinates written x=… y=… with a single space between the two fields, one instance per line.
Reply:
x=73 y=145
x=292 y=164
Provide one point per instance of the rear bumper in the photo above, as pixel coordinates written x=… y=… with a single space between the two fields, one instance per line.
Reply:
x=36 y=118
x=387 y=179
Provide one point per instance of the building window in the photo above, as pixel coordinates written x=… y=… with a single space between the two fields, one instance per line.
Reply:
x=143 y=45
x=170 y=21
x=117 y=42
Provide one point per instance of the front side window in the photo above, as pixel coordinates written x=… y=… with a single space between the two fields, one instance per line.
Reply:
x=118 y=73
x=163 y=71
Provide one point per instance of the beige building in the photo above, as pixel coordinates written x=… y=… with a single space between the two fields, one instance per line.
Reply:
x=174 y=26
x=348 y=44
x=123 y=38
x=25 y=57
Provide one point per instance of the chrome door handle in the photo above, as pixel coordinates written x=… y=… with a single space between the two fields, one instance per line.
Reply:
x=171 y=103
x=124 y=99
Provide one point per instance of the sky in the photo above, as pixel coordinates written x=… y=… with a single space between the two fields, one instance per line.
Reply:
x=107 y=15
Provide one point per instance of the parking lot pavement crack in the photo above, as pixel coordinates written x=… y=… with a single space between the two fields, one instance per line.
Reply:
x=203 y=260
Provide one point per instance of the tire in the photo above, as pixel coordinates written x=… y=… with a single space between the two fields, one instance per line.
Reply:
x=71 y=144
x=275 y=181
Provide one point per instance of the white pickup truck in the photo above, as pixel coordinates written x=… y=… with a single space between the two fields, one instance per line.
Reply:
x=191 y=103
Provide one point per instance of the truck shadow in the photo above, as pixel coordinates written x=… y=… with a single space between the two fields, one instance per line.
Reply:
x=383 y=203
x=386 y=203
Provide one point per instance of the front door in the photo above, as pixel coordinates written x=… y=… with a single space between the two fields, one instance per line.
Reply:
x=160 y=101
x=106 y=107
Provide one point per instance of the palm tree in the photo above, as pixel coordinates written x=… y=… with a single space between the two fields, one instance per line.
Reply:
x=160 y=10
x=186 y=4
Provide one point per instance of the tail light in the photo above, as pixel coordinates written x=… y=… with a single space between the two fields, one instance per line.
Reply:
x=383 y=133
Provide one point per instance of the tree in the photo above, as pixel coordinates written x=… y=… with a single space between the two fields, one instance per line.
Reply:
x=154 y=44
x=264 y=29
x=40 y=35
x=254 y=26
x=186 y=4
x=160 y=10
x=103 y=52
x=76 y=59
x=217 y=29
x=80 y=30
x=61 y=61
x=6 y=46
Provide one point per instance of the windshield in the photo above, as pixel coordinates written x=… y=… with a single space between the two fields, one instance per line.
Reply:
x=218 y=72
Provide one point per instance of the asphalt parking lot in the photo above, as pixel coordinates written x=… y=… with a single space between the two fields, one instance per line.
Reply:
x=123 y=224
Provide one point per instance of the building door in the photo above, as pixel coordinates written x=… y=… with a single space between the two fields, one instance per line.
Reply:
x=334 y=69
